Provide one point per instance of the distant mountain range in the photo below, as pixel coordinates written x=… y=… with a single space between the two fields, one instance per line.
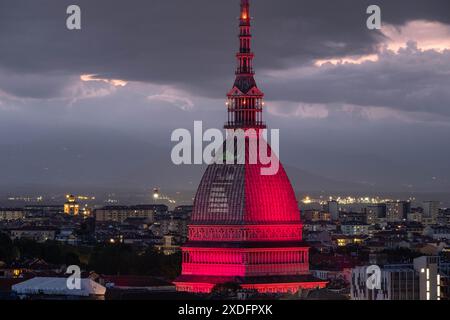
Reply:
x=90 y=162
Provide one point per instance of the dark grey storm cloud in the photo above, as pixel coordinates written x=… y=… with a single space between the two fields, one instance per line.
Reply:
x=412 y=81
x=178 y=57
x=187 y=42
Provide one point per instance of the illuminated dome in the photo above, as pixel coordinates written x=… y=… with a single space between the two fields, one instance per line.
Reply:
x=238 y=194
x=245 y=227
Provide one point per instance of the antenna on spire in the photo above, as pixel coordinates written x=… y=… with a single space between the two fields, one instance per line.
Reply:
x=245 y=100
x=245 y=12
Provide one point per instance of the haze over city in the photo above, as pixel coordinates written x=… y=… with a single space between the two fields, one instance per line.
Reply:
x=358 y=110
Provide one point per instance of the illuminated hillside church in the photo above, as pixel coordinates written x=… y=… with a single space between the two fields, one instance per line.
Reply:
x=245 y=227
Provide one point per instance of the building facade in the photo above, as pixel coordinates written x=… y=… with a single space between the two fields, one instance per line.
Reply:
x=430 y=212
x=71 y=207
x=10 y=214
x=397 y=211
x=355 y=229
x=39 y=234
x=333 y=208
x=425 y=279
x=121 y=213
x=376 y=213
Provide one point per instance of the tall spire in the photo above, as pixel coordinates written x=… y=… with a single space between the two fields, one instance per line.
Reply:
x=244 y=222
x=245 y=100
x=245 y=55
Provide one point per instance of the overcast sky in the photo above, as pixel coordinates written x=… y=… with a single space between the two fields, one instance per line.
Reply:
x=356 y=108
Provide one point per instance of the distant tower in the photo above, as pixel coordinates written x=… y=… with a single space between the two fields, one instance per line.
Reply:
x=245 y=227
x=71 y=207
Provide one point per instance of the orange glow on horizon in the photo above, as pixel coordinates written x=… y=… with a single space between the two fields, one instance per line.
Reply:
x=93 y=77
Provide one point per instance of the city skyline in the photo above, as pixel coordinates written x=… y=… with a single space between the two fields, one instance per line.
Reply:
x=117 y=182
x=73 y=112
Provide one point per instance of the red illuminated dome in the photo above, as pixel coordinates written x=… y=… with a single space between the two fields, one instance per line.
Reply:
x=245 y=227
x=233 y=194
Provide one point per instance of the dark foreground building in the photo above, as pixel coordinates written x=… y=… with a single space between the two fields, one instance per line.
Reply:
x=245 y=226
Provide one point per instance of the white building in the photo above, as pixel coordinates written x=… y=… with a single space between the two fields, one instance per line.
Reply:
x=59 y=287
x=344 y=274
x=418 y=281
x=355 y=229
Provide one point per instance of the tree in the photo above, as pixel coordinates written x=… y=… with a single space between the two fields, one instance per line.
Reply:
x=226 y=289
x=71 y=258
x=112 y=259
x=7 y=251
